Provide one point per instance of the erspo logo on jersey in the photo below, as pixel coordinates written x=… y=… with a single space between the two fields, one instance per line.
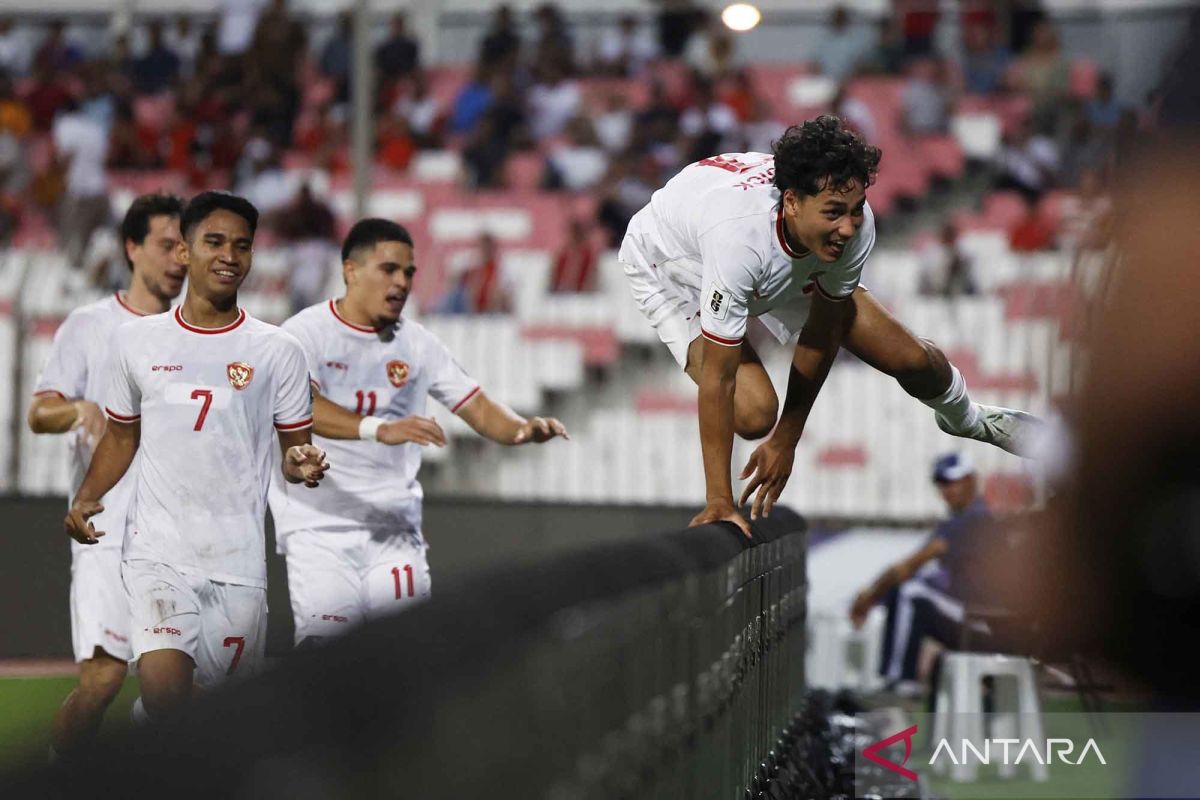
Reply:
x=240 y=374
x=167 y=368
x=397 y=373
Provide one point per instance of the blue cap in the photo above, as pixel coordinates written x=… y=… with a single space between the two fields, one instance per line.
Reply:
x=952 y=467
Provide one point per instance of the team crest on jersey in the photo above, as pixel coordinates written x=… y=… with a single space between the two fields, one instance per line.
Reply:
x=240 y=374
x=397 y=373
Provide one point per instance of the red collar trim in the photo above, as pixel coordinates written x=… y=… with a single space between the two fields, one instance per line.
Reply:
x=348 y=323
x=128 y=307
x=782 y=236
x=188 y=326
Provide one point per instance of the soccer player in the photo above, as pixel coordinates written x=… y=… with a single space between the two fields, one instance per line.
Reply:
x=199 y=395
x=356 y=548
x=782 y=238
x=66 y=400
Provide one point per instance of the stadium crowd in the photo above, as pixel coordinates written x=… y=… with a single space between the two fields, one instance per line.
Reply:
x=239 y=100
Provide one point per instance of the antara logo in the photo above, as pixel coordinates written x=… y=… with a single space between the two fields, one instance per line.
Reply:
x=167 y=368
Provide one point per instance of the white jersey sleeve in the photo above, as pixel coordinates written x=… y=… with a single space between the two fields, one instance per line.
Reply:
x=307 y=346
x=293 y=391
x=123 y=400
x=727 y=285
x=841 y=279
x=66 y=370
x=450 y=384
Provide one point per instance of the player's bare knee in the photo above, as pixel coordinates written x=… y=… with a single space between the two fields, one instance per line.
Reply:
x=100 y=684
x=756 y=421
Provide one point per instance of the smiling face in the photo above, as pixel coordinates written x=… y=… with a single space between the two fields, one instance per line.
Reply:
x=156 y=259
x=379 y=279
x=218 y=254
x=825 y=222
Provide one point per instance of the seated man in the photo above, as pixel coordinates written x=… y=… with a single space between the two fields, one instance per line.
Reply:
x=925 y=597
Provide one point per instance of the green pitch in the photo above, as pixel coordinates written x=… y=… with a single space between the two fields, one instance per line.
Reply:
x=27 y=706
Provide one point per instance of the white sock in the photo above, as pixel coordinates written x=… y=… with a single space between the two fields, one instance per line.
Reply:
x=137 y=712
x=954 y=405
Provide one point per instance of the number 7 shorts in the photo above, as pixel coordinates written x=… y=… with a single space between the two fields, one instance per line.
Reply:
x=222 y=626
x=337 y=579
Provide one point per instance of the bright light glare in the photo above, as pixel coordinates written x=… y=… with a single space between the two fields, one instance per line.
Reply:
x=741 y=16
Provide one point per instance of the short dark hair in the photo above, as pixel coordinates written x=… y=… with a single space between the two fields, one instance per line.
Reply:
x=205 y=203
x=820 y=152
x=136 y=224
x=370 y=232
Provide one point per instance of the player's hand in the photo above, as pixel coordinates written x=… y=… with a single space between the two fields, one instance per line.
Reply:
x=305 y=463
x=859 y=610
x=89 y=417
x=420 y=430
x=78 y=524
x=540 y=429
x=768 y=469
x=721 y=511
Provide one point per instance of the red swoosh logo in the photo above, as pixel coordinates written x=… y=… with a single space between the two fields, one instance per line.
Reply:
x=872 y=752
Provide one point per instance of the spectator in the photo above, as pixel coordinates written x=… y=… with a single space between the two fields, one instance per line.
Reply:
x=264 y=182
x=949 y=273
x=614 y=125
x=129 y=147
x=471 y=102
x=421 y=111
x=279 y=43
x=15 y=52
x=48 y=94
x=625 y=51
x=1033 y=232
x=925 y=593
x=552 y=101
x=553 y=39
x=309 y=229
x=986 y=60
x=708 y=125
x=1084 y=150
x=843 y=47
x=57 y=52
x=855 y=112
x=575 y=264
x=1044 y=73
x=400 y=55
x=336 y=56
x=479 y=288
x=183 y=39
x=740 y=95
x=918 y=22
x=676 y=23
x=81 y=147
x=1103 y=110
x=926 y=98
x=16 y=123
x=396 y=143
x=159 y=68
x=712 y=51
x=1027 y=162
x=484 y=155
x=501 y=45
x=888 y=56
x=626 y=191
x=236 y=25
x=579 y=164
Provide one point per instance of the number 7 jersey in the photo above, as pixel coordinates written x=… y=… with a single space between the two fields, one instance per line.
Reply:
x=388 y=373
x=209 y=401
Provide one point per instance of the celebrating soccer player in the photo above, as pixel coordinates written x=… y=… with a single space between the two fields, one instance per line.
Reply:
x=67 y=400
x=200 y=396
x=356 y=547
x=783 y=238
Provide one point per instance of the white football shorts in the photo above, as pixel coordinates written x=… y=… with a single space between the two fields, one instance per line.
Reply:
x=99 y=607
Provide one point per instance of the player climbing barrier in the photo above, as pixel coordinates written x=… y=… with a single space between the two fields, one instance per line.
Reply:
x=665 y=666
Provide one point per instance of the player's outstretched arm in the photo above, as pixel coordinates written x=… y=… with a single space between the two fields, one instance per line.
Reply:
x=718 y=373
x=501 y=424
x=893 y=576
x=53 y=414
x=770 y=465
x=334 y=422
x=111 y=460
x=303 y=462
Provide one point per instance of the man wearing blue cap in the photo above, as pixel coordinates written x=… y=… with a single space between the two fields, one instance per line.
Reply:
x=924 y=597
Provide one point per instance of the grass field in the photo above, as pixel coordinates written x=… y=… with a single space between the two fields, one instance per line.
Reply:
x=27 y=706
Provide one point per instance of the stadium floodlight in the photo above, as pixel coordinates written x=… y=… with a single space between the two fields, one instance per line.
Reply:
x=741 y=16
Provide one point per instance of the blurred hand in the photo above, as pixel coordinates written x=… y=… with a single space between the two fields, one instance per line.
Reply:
x=305 y=463
x=77 y=522
x=420 y=430
x=859 y=610
x=540 y=429
x=768 y=469
x=721 y=511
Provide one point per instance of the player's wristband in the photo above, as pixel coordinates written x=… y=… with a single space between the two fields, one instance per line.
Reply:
x=369 y=428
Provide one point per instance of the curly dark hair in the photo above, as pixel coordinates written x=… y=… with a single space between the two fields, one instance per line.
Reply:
x=821 y=152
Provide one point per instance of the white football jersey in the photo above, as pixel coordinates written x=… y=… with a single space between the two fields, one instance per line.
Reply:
x=210 y=401
x=75 y=370
x=388 y=373
x=714 y=237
